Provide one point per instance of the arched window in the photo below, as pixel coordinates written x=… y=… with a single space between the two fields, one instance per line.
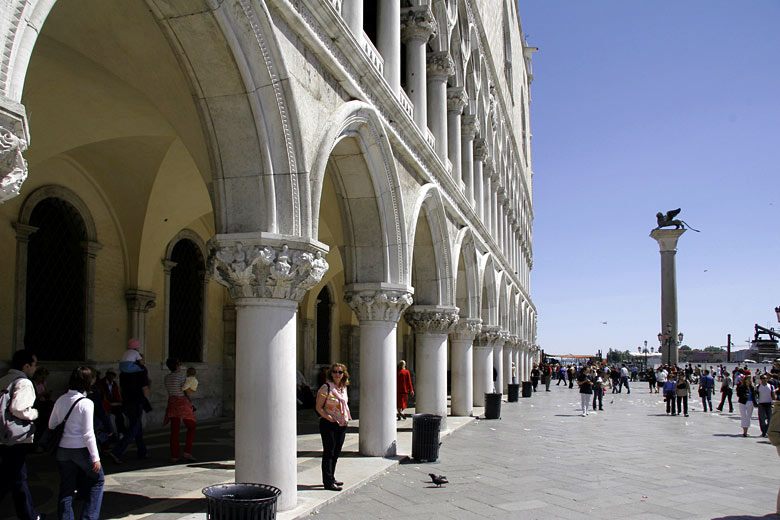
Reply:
x=186 y=302
x=323 y=326
x=55 y=313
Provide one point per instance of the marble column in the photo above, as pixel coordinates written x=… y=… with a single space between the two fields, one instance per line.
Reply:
x=507 y=363
x=468 y=129
x=667 y=244
x=516 y=351
x=138 y=304
x=456 y=101
x=431 y=325
x=417 y=27
x=461 y=345
x=480 y=154
x=483 y=367
x=388 y=36
x=489 y=189
x=378 y=307
x=353 y=16
x=440 y=67
x=267 y=277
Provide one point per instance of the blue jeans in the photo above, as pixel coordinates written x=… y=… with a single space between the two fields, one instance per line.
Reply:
x=76 y=474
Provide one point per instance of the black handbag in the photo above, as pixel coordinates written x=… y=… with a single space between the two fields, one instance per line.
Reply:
x=51 y=438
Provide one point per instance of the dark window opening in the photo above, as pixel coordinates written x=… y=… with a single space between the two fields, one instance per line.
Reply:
x=323 y=326
x=185 y=325
x=55 y=315
x=370 y=15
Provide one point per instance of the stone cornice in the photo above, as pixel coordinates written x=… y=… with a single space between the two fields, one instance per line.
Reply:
x=433 y=320
x=378 y=304
x=251 y=269
x=417 y=23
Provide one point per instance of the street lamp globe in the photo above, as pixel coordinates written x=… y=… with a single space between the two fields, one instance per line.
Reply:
x=680 y=337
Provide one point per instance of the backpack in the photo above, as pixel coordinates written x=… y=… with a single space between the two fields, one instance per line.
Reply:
x=315 y=402
x=13 y=430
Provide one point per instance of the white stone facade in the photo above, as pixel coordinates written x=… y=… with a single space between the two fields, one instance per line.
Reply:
x=377 y=151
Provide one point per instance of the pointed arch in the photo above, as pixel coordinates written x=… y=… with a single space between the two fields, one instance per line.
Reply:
x=466 y=289
x=361 y=122
x=429 y=204
x=489 y=301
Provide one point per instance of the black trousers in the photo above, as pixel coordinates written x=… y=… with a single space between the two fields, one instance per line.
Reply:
x=671 y=403
x=13 y=478
x=726 y=395
x=332 y=440
x=764 y=415
x=682 y=401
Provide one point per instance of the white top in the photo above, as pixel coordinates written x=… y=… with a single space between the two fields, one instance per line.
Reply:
x=24 y=395
x=765 y=393
x=624 y=371
x=660 y=376
x=79 y=432
x=131 y=355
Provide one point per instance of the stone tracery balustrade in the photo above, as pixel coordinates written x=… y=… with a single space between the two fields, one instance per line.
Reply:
x=253 y=271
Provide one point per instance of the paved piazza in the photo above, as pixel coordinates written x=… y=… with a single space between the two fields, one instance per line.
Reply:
x=543 y=460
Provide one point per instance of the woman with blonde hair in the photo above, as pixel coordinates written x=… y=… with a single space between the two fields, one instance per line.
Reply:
x=404 y=389
x=333 y=408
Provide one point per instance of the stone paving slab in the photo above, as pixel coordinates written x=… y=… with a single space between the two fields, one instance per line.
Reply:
x=542 y=460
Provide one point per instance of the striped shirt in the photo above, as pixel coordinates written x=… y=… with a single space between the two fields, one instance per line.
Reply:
x=173 y=383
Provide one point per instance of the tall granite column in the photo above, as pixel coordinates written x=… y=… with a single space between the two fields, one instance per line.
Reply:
x=456 y=100
x=378 y=308
x=483 y=367
x=667 y=243
x=417 y=27
x=266 y=278
x=431 y=325
x=461 y=344
x=440 y=67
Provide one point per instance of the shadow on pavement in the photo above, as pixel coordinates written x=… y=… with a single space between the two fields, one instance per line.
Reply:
x=771 y=516
x=116 y=505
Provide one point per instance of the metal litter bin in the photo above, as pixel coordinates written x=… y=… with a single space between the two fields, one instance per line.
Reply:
x=528 y=389
x=493 y=406
x=425 y=436
x=241 y=501
x=514 y=392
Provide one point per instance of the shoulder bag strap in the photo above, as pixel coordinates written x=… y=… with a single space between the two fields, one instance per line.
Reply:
x=65 y=420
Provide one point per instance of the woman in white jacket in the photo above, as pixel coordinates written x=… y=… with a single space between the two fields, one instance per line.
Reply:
x=77 y=455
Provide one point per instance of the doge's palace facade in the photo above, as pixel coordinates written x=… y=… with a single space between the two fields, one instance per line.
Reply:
x=262 y=188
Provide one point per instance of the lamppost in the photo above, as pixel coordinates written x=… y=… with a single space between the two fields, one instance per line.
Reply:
x=667 y=340
x=777 y=311
x=645 y=354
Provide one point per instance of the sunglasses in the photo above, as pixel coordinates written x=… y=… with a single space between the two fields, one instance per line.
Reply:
x=337 y=372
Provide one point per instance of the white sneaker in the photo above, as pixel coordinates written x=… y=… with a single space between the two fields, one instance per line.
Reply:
x=584 y=414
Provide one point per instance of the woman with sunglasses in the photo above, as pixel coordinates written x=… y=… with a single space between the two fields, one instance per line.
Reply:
x=333 y=408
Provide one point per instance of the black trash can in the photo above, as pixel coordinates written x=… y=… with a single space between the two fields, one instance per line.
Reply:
x=425 y=437
x=241 y=501
x=528 y=389
x=514 y=392
x=493 y=406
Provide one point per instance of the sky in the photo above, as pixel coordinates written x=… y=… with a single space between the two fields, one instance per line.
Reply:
x=641 y=107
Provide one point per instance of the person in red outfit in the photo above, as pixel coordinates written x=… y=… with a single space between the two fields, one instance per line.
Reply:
x=112 y=400
x=404 y=387
x=179 y=410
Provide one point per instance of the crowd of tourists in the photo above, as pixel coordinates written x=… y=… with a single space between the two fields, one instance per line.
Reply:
x=77 y=428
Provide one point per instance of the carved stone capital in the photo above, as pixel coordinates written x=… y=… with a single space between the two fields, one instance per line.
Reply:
x=488 y=171
x=494 y=175
x=480 y=149
x=456 y=100
x=468 y=127
x=14 y=139
x=140 y=301
x=417 y=23
x=466 y=329
x=488 y=336
x=168 y=265
x=378 y=305
x=23 y=231
x=434 y=320
x=440 y=66
x=250 y=269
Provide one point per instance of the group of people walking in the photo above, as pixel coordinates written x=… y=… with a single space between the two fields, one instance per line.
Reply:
x=78 y=425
